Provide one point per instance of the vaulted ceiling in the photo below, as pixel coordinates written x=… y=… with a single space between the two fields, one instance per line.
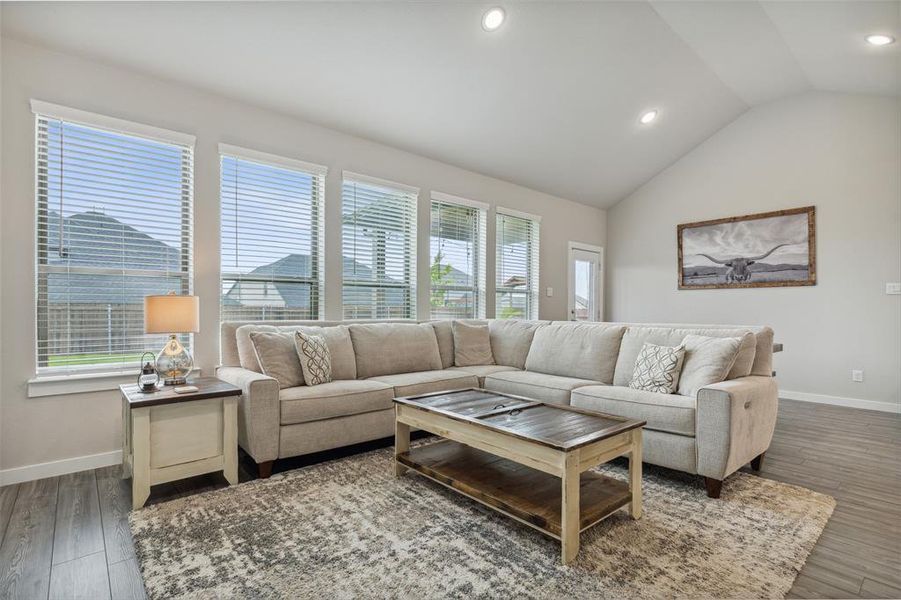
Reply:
x=551 y=100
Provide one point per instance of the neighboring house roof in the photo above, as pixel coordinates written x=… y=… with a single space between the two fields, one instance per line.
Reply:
x=297 y=295
x=93 y=239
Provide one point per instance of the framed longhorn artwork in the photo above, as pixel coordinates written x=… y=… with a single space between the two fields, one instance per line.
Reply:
x=773 y=249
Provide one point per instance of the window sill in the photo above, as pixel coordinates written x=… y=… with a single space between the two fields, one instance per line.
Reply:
x=79 y=383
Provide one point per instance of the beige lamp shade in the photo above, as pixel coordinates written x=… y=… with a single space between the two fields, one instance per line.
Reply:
x=171 y=314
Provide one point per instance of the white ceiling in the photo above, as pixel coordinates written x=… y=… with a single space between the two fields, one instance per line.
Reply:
x=549 y=101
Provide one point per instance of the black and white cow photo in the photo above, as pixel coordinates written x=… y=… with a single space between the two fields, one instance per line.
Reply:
x=763 y=250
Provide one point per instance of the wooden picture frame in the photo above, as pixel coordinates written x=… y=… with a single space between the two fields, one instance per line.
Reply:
x=707 y=262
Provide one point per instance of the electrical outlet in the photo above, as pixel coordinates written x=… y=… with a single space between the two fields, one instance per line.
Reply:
x=550 y=292
x=857 y=375
x=893 y=289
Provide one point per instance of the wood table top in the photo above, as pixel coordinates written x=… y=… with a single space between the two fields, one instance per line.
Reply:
x=554 y=425
x=207 y=387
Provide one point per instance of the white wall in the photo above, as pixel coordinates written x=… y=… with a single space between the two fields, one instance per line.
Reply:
x=37 y=430
x=841 y=153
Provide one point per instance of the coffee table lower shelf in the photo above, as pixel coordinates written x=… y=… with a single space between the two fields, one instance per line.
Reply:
x=527 y=495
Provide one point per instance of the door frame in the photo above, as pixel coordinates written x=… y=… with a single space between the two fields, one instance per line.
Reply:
x=570 y=305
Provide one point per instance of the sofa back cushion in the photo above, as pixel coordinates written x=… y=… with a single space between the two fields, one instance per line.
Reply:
x=583 y=350
x=229 y=339
x=340 y=347
x=511 y=340
x=247 y=354
x=636 y=336
x=390 y=348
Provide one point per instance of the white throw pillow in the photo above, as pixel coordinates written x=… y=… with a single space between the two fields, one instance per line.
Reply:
x=657 y=368
x=315 y=358
x=277 y=357
x=707 y=361
x=472 y=345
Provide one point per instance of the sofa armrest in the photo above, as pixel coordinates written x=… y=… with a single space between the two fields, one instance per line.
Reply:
x=735 y=423
x=258 y=411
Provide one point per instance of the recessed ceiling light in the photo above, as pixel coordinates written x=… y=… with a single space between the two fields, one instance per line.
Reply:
x=493 y=19
x=648 y=117
x=880 y=39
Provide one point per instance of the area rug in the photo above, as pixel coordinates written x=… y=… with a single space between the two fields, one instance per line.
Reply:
x=350 y=529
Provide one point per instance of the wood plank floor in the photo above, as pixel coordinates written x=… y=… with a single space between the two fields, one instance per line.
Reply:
x=68 y=537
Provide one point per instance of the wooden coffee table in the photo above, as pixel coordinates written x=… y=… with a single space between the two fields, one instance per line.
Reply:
x=527 y=459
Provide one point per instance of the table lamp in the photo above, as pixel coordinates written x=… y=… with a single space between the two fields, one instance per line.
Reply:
x=172 y=314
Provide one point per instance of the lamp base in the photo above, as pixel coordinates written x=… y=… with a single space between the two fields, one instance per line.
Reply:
x=174 y=362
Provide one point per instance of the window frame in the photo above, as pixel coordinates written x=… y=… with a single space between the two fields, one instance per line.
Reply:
x=317 y=266
x=47 y=112
x=533 y=280
x=479 y=261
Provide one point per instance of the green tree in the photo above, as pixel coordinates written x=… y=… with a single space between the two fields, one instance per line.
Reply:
x=440 y=276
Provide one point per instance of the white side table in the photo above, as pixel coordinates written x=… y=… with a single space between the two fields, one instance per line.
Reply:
x=168 y=436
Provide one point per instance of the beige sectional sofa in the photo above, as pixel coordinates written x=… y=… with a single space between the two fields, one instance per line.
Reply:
x=713 y=433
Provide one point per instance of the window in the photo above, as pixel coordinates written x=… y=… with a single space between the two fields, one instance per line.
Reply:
x=114 y=213
x=517 y=265
x=271 y=236
x=379 y=248
x=457 y=258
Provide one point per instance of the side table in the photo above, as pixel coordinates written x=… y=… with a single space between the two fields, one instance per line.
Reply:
x=168 y=436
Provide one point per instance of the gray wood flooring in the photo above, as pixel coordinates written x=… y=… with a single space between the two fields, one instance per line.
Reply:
x=68 y=537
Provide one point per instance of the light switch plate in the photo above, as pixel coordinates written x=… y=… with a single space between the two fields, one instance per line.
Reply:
x=550 y=292
x=893 y=289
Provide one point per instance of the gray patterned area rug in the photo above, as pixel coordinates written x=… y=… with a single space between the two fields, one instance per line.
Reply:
x=349 y=529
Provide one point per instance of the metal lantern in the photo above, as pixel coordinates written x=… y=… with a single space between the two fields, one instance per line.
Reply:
x=148 y=378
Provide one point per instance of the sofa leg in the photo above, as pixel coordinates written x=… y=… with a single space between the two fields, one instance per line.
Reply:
x=264 y=469
x=757 y=463
x=714 y=487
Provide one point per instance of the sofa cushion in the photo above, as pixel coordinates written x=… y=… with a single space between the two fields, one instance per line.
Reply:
x=277 y=357
x=337 y=398
x=425 y=382
x=445 y=335
x=663 y=412
x=636 y=336
x=340 y=347
x=482 y=371
x=511 y=340
x=390 y=348
x=707 y=361
x=472 y=344
x=247 y=354
x=582 y=350
x=537 y=386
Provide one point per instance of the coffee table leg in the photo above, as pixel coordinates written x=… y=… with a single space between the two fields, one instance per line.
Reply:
x=401 y=445
x=635 y=474
x=569 y=518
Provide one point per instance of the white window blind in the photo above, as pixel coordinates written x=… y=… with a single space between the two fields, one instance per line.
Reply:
x=457 y=258
x=271 y=237
x=114 y=224
x=379 y=248
x=517 y=267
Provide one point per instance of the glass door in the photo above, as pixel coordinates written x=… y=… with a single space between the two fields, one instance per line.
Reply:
x=585 y=282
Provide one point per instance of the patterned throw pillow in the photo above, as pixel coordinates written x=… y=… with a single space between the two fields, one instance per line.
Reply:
x=315 y=358
x=657 y=368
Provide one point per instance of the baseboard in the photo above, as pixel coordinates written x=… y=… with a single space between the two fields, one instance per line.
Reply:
x=59 y=467
x=891 y=407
